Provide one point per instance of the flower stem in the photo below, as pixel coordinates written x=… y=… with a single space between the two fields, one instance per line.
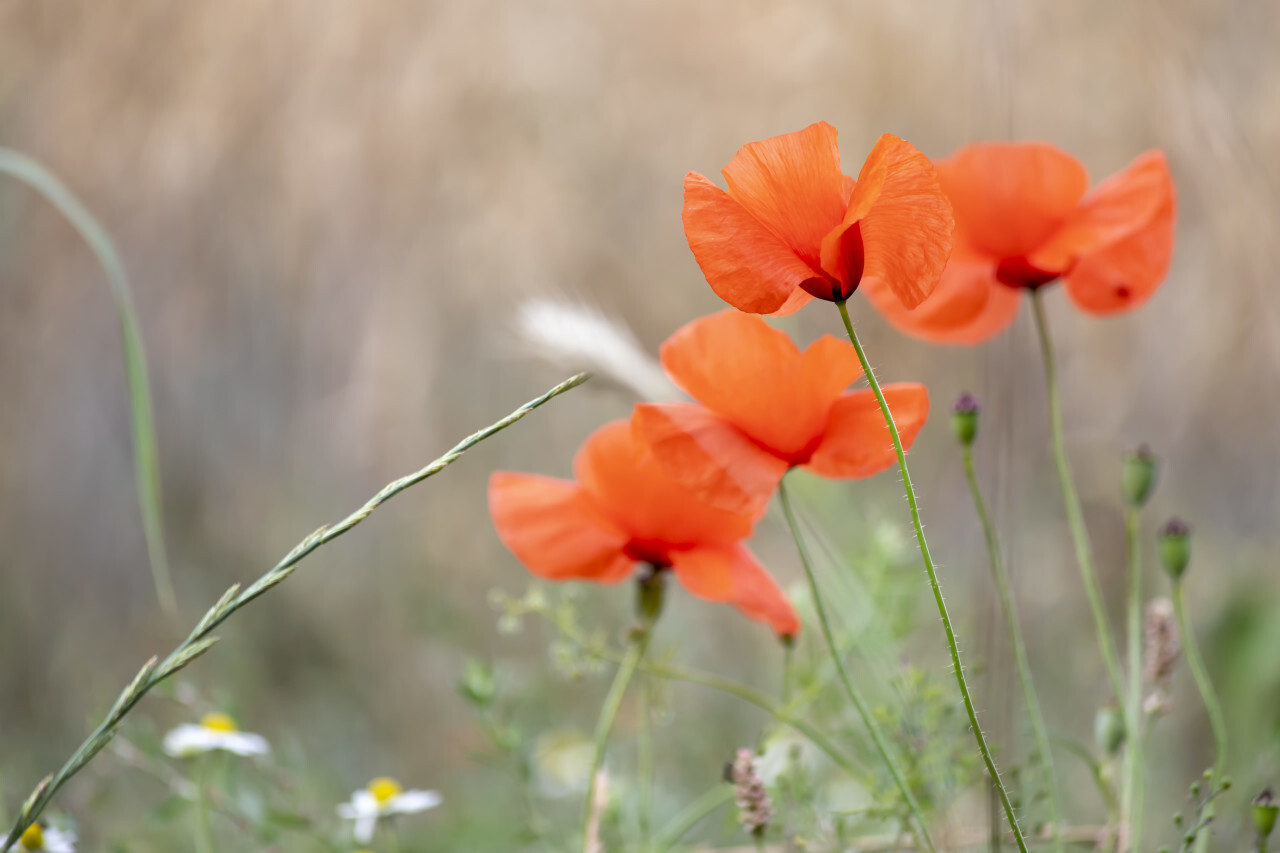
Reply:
x=873 y=729
x=204 y=829
x=692 y=816
x=1131 y=795
x=604 y=723
x=644 y=761
x=956 y=663
x=1029 y=696
x=1201 y=675
x=1075 y=516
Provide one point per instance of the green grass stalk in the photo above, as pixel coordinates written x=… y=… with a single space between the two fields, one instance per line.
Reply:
x=1132 y=792
x=200 y=640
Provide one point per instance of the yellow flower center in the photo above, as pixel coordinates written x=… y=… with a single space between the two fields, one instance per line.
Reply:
x=384 y=790
x=216 y=722
x=33 y=838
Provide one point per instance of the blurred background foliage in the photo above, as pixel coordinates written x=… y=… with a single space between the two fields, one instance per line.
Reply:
x=331 y=212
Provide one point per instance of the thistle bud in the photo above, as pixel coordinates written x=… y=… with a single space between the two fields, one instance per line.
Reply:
x=1175 y=548
x=1108 y=731
x=964 y=419
x=1264 y=813
x=1138 y=476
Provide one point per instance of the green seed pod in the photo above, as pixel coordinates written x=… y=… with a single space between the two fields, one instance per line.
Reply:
x=649 y=594
x=1138 y=476
x=1175 y=548
x=1264 y=813
x=964 y=419
x=1108 y=731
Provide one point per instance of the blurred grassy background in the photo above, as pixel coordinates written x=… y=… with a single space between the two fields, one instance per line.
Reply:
x=330 y=211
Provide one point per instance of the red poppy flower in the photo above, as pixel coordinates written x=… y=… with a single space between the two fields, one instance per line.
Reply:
x=793 y=226
x=623 y=510
x=1023 y=220
x=767 y=407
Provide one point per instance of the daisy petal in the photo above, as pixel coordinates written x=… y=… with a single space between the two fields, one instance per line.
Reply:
x=705 y=453
x=415 y=801
x=745 y=263
x=903 y=220
x=555 y=529
x=857 y=443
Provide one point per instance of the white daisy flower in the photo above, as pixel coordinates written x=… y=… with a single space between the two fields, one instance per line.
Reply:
x=215 y=731
x=46 y=839
x=382 y=798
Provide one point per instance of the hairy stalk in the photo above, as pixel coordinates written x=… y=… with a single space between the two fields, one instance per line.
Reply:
x=1029 y=696
x=200 y=640
x=957 y=665
x=1131 y=794
x=692 y=815
x=146 y=457
x=859 y=704
x=644 y=762
x=604 y=723
x=1071 y=500
x=1191 y=650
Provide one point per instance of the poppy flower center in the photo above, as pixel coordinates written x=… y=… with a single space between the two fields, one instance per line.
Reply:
x=837 y=285
x=1020 y=272
x=384 y=789
x=648 y=551
x=218 y=723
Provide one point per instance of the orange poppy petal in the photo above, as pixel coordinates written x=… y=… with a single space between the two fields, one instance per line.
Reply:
x=744 y=262
x=792 y=184
x=904 y=222
x=708 y=455
x=797 y=300
x=1120 y=206
x=555 y=529
x=857 y=443
x=968 y=307
x=1010 y=197
x=631 y=487
x=752 y=375
x=734 y=575
x=1125 y=274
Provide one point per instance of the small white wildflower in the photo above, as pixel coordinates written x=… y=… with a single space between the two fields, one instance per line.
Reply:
x=215 y=731
x=46 y=839
x=382 y=798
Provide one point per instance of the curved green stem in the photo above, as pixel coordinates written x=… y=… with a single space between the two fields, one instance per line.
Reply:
x=1201 y=675
x=604 y=725
x=692 y=815
x=644 y=762
x=1131 y=795
x=1075 y=515
x=204 y=829
x=146 y=457
x=1029 y=696
x=953 y=646
x=864 y=713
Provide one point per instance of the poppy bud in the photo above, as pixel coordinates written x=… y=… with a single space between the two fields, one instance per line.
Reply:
x=1138 y=476
x=1264 y=813
x=1108 y=731
x=964 y=418
x=1175 y=548
x=649 y=589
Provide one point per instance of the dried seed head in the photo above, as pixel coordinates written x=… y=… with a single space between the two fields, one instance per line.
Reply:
x=755 y=809
x=1160 y=654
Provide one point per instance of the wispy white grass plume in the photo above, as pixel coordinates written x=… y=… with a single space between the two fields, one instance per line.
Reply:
x=578 y=337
